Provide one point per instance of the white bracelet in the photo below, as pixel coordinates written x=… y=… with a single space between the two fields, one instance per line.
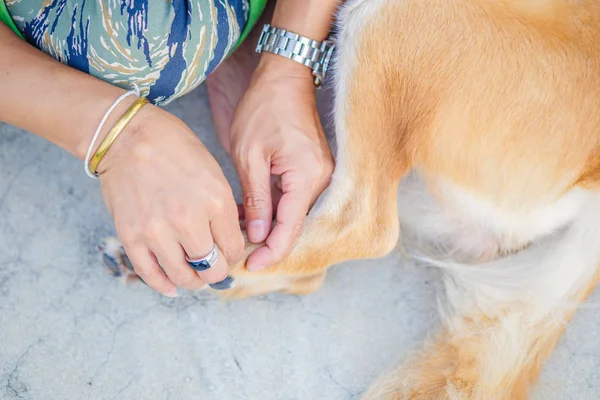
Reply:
x=88 y=155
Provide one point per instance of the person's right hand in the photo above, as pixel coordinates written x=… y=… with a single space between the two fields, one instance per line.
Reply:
x=169 y=198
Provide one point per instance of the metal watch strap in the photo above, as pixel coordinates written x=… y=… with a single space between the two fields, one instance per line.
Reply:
x=315 y=55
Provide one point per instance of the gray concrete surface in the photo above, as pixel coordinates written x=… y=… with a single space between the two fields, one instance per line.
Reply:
x=68 y=330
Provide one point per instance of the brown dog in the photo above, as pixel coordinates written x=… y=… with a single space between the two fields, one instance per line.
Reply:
x=487 y=112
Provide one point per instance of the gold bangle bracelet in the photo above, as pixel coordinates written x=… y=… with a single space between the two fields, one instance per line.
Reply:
x=114 y=133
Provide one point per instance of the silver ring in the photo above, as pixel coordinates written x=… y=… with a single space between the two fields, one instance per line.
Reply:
x=206 y=262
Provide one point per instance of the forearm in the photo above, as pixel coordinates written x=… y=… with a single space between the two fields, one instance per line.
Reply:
x=50 y=99
x=310 y=18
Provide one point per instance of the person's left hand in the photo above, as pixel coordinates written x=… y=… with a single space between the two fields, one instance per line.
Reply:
x=276 y=131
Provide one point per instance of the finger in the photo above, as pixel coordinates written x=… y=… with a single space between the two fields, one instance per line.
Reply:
x=276 y=194
x=199 y=246
x=256 y=192
x=147 y=268
x=171 y=257
x=291 y=212
x=227 y=234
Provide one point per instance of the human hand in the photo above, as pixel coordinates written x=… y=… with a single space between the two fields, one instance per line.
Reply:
x=169 y=198
x=276 y=130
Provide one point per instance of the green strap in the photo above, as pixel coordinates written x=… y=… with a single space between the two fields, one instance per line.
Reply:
x=256 y=9
x=7 y=19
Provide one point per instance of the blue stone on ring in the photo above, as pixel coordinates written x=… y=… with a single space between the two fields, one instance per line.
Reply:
x=199 y=265
x=206 y=262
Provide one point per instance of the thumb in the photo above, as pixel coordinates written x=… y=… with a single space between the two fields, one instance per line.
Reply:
x=256 y=192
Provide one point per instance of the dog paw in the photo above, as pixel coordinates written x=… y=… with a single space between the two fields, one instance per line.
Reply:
x=115 y=260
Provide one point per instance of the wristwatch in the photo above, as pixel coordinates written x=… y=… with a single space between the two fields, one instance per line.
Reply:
x=315 y=55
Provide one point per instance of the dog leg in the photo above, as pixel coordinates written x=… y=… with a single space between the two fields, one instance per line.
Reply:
x=355 y=218
x=503 y=319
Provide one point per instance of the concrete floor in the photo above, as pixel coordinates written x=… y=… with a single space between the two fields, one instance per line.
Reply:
x=70 y=331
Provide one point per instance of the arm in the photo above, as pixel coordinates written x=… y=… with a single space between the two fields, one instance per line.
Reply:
x=50 y=99
x=152 y=177
x=277 y=131
x=310 y=18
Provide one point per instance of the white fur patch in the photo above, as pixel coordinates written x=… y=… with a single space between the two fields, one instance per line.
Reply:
x=459 y=226
x=462 y=235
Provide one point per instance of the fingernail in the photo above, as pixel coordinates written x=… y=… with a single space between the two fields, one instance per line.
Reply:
x=257 y=230
x=225 y=284
x=256 y=268
x=171 y=293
